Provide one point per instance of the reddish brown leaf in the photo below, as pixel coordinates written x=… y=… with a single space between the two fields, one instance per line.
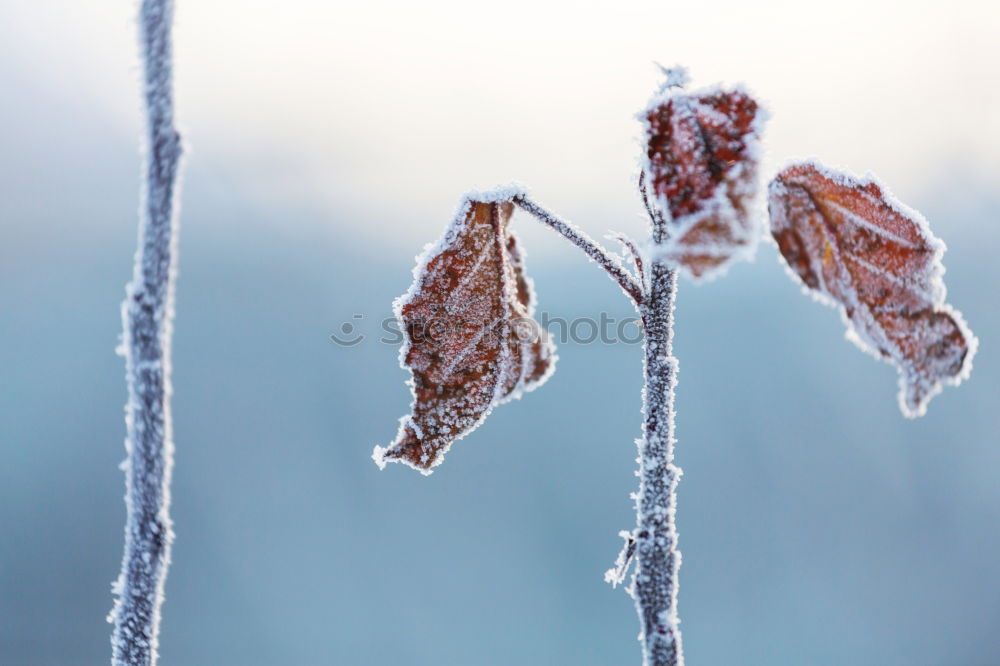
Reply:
x=701 y=168
x=471 y=342
x=851 y=242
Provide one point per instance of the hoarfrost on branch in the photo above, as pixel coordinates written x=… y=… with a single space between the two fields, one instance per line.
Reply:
x=147 y=314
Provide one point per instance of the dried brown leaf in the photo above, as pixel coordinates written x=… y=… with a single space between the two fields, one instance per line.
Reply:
x=852 y=243
x=471 y=342
x=701 y=169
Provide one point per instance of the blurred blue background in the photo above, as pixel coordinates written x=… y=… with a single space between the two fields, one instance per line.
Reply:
x=327 y=144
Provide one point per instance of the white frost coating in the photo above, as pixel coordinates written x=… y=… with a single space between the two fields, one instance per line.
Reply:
x=147 y=315
x=740 y=181
x=667 y=93
x=863 y=330
x=673 y=77
x=498 y=194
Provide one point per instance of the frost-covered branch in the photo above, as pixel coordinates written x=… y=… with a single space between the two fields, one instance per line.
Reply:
x=654 y=541
x=147 y=313
x=654 y=583
x=593 y=250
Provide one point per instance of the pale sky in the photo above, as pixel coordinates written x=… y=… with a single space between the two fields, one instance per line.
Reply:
x=335 y=106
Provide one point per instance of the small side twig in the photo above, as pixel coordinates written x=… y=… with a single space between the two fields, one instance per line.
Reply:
x=616 y=574
x=578 y=237
x=147 y=314
x=659 y=224
x=633 y=250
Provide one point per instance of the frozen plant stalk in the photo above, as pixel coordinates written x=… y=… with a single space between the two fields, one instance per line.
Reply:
x=654 y=583
x=147 y=314
x=697 y=182
x=471 y=343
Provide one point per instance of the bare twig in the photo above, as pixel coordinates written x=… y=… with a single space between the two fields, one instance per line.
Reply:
x=593 y=250
x=633 y=250
x=147 y=315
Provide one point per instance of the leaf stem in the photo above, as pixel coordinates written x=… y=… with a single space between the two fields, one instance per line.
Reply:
x=593 y=249
x=147 y=315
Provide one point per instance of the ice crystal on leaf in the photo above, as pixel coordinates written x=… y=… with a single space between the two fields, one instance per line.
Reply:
x=700 y=169
x=471 y=342
x=851 y=242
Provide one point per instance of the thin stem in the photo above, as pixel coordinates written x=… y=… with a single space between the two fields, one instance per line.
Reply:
x=636 y=256
x=655 y=581
x=147 y=314
x=655 y=216
x=654 y=584
x=593 y=249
